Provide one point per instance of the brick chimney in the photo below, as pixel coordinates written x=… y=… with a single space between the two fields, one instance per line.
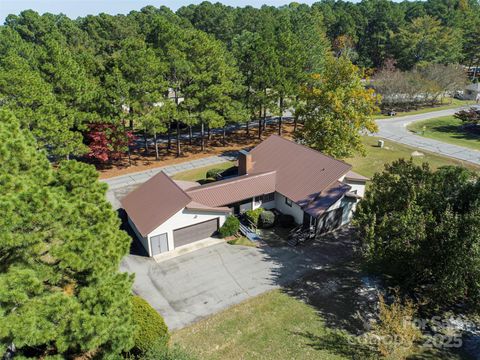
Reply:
x=244 y=162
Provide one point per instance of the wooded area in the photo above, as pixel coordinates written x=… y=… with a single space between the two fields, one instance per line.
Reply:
x=85 y=86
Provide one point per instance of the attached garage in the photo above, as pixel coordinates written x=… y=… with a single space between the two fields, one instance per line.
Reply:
x=192 y=233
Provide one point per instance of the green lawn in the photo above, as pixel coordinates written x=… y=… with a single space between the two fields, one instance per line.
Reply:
x=448 y=104
x=201 y=173
x=377 y=157
x=270 y=326
x=446 y=129
x=242 y=240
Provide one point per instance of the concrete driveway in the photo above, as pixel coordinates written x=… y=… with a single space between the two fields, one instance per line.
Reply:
x=395 y=129
x=192 y=286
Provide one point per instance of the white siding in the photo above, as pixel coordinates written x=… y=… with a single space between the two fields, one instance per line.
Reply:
x=359 y=186
x=294 y=210
x=184 y=218
x=143 y=239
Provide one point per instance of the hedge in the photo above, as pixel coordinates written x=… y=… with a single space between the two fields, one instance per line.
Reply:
x=213 y=173
x=230 y=227
x=267 y=219
x=253 y=215
x=151 y=330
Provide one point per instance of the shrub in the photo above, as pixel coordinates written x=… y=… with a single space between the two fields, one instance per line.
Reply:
x=214 y=173
x=267 y=219
x=230 y=227
x=164 y=353
x=253 y=215
x=151 y=330
x=286 y=220
x=395 y=321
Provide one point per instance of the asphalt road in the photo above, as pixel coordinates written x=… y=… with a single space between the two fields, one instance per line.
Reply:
x=395 y=129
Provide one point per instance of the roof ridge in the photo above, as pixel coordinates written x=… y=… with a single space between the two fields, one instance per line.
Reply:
x=307 y=148
x=233 y=180
x=175 y=184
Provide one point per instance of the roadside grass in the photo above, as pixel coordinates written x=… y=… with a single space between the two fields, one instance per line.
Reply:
x=447 y=129
x=376 y=157
x=200 y=174
x=273 y=325
x=448 y=104
x=241 y=240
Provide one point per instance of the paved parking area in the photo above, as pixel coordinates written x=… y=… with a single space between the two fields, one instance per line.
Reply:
x=192 y=286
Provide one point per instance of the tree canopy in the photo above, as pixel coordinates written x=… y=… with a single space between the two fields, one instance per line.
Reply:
x=420 y=228
x=60 y=248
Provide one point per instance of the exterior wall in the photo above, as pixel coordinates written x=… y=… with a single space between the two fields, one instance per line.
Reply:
x=184 y=218
x=267 y=205
x=359 y=186
x=295 y=210
x=143 y=240
x=245 y=207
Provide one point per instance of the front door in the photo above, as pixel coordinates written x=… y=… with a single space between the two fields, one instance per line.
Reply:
x=159 y=244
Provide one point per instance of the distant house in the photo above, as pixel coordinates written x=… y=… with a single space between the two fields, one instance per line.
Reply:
x=320 y=192
x=472 y=92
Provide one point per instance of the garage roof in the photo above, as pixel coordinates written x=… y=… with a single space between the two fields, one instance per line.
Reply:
x=154 y=202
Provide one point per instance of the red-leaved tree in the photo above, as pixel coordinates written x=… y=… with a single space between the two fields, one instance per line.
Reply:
x=108 y=142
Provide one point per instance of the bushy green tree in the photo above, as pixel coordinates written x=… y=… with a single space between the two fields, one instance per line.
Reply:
x=421 y=229
x=337 y=108
x=60 y=248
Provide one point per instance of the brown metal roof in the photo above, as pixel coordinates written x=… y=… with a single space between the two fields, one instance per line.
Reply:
x=327 y=198
x=351 y=175
x=154 y=202
x=302 y=172
x=229 y=191
x=184 y=185
x=197 y=206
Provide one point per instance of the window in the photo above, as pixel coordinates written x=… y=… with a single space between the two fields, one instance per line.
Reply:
x=288 y=201
x=268 y=197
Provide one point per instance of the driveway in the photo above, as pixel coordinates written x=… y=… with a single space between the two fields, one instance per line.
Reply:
x=395 y=129
x=195 y=285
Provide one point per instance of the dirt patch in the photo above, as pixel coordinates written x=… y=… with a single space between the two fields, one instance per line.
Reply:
x=139 y=161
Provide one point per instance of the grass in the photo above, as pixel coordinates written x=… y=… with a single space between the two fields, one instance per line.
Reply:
x=376 y=157
x=270 y=326
x=447 y=129
x=201 y=173
x=241 y=240
x=448 y=104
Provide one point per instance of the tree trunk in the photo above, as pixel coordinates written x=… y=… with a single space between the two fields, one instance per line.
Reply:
x=190 y=134
x=179 y=150
x=224 y=136
x=264 y=118
x=208 y=133
x=295 y=122
x=157 y=157
x=202 y=138
x=260 y=125
x=280 y=117
x=247 y=127
x=169 y=136
x=145 y=140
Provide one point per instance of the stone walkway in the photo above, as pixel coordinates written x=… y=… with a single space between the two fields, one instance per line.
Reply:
x=395 y=129
x=142 y=176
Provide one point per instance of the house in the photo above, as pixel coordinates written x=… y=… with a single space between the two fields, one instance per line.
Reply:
x=319 y=191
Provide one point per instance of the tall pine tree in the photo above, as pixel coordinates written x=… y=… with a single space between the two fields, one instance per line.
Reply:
x=60 y=247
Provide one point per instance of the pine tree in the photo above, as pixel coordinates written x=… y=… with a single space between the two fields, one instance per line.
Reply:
x=60 y=248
